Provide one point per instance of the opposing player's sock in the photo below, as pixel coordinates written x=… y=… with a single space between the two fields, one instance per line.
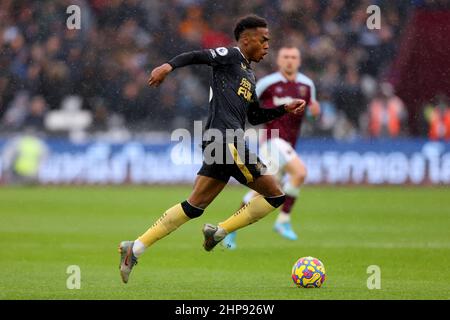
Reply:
x=168 y=222
x=257 y=208
x=283 y=222
x=288 y=204
x=292 y=193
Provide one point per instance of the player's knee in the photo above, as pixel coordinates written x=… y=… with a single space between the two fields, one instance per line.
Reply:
x=276 y=201
x=200 y=201
x=191 y=211
x=299 y=177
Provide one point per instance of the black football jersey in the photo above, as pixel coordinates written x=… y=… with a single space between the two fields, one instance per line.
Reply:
x=232 y=89
x=233 y=96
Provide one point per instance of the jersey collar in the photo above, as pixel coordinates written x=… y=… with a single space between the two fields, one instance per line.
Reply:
x=248 y=62
x=284 y=79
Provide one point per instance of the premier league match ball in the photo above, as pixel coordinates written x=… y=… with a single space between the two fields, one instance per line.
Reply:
x=308 y=272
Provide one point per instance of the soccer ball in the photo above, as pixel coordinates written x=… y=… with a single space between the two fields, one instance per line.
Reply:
x=308 y=272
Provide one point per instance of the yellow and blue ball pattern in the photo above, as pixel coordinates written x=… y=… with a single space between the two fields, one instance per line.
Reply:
x=308 y=272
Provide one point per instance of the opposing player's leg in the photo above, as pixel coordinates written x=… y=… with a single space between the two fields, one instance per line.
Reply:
x=204 y=192
x=296 y=171
x=282 y=160
x=229 y=241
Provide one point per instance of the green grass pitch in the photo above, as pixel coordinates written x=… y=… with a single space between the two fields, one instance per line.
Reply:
x=404 y=231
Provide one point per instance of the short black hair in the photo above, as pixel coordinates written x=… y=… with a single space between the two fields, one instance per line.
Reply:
x=248 y=22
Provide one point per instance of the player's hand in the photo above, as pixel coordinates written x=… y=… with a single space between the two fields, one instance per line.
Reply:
x=314 y=107
x=158 y=74
x=297 y=106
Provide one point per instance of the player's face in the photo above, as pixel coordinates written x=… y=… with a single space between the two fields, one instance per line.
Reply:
x=258 y=44
x=289 y=60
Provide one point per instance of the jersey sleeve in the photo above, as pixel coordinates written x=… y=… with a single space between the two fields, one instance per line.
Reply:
x=257 y=115
x=211 y=57
x=313 y=92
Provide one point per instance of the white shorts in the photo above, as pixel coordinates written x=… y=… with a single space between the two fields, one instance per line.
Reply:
x=276 y=153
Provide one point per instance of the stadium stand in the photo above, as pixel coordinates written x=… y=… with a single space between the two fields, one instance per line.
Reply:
x=106 y=63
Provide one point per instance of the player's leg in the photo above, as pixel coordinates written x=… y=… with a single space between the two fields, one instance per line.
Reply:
x=230 y=240
x=270 y=196
x=204 y=192
x=296 y=174
x=296 y=171
x=284 y=160
x=250 y=173
x=274 y=160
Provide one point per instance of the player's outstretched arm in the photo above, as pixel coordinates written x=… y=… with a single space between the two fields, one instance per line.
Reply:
x=257 y=115
x=158 y=74
x=210 y=57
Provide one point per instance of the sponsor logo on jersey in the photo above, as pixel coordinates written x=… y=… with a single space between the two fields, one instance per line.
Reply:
x=245 y=89
x=302 y=90
x=278 y=101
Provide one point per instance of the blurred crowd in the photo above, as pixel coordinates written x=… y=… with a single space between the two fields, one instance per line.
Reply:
x=102 y=69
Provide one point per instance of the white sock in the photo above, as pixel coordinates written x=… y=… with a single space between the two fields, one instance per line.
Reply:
x=283 y=217
x=290 y=190
x=138 y=248
x=220 y=234
x=248 y=196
